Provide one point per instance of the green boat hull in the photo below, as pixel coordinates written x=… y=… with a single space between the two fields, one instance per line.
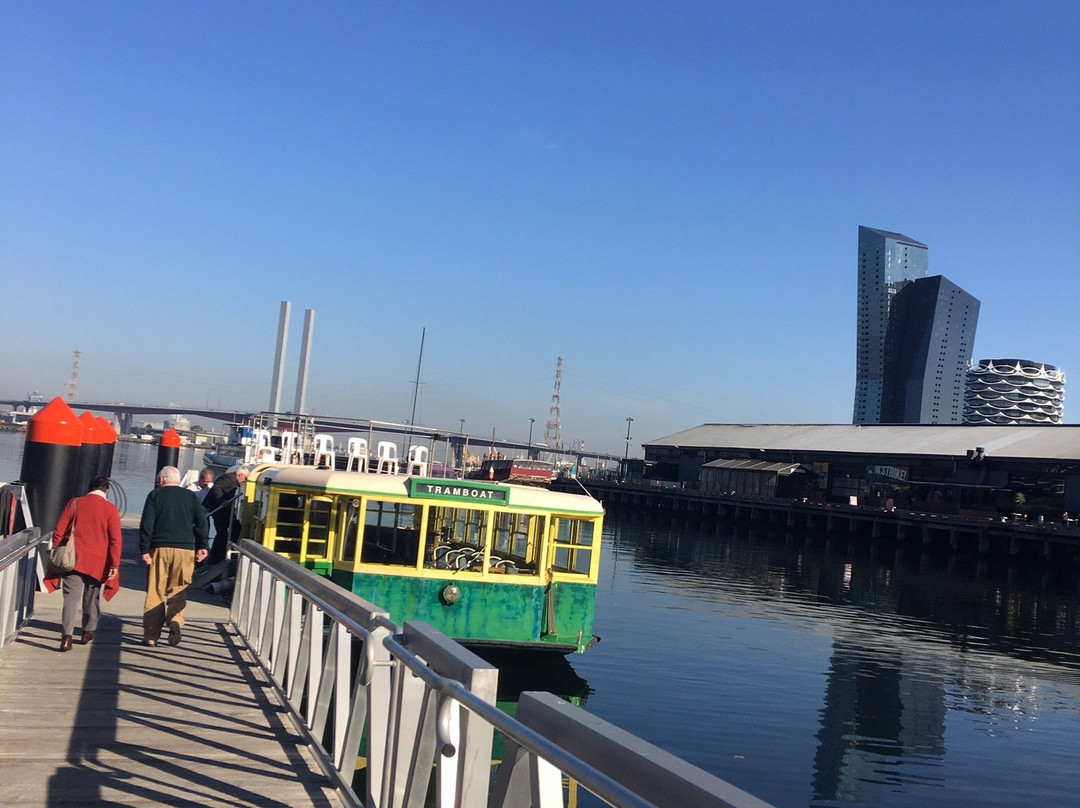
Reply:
x=556 y=618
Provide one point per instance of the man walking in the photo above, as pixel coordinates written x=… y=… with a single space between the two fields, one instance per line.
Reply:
x=219 y=502
x=172 y=537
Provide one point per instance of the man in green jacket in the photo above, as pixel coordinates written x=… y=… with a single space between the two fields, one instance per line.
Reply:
x=172 y=537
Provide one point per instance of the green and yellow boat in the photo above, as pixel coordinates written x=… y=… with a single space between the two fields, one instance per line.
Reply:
x=486 y=563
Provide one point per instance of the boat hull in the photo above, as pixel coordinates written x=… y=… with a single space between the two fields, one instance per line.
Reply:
x=558 y=618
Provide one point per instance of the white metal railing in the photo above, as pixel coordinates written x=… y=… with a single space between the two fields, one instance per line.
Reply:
x=425 y=707
x=18 y=580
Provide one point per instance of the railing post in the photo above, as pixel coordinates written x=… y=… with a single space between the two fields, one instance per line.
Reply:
x=378 y=713
x=313 y=629
x=411 y=741
x=281 y=628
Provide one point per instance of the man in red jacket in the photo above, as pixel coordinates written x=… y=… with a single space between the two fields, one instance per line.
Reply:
x=94 y=525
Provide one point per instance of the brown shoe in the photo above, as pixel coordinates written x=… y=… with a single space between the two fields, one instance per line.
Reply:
x=87 y=636
x=65 y=643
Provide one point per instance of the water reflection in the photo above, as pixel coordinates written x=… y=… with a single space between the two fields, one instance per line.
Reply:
x=899 y=678
x=1032 y=614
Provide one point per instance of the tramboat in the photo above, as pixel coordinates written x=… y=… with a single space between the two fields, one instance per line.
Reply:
x=489 y=564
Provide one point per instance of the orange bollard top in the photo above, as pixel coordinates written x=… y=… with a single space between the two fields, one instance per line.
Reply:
x=55 y=423
x=106 y=430
x=91 y=434
x=170 y=439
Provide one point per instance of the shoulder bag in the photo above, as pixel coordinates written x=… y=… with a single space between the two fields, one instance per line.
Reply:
x=62 y=557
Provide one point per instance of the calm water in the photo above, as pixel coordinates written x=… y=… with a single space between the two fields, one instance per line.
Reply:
x=814 y=677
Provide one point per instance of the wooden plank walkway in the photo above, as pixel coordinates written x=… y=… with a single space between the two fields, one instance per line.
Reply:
x=118 y=723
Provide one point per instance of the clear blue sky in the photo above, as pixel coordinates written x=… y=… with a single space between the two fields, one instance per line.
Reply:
x=665 y=194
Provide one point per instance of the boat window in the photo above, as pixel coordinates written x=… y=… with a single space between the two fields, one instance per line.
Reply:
x=317 y=539
x=573 y=545
x=348 y=529
x=503 y=528
x=527 y=535
x=288 y=527
x=391 y=533
x=456 y=540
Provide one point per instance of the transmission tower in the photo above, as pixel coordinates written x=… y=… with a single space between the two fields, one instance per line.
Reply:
x=73 y=384
x=552 y=433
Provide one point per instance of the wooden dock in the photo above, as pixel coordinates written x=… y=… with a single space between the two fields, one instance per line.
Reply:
x=118 y=723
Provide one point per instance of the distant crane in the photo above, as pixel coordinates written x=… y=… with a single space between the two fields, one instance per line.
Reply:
x=553 y=430
x=73 y=383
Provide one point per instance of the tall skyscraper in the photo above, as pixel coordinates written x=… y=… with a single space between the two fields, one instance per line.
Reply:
x=927 y=352
x=886 y=261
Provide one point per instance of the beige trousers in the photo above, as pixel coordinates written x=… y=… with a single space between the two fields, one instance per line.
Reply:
x=171 y=569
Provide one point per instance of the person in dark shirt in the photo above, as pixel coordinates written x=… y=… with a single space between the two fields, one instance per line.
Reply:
x=172 y=537
x=219 y=503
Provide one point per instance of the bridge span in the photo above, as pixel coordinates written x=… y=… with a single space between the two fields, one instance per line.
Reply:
x=299 y=694
x=325 y=423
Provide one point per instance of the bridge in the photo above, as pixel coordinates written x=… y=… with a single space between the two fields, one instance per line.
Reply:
x=322 y=423
x=298 y=694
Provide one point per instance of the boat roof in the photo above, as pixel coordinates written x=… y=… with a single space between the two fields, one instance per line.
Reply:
x=521 y=497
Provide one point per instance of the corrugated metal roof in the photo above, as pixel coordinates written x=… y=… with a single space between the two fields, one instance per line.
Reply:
x=1060 y=442
x=753 y=465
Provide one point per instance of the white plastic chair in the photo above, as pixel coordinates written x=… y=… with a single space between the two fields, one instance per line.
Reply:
x=288 y=446
x=418 y=460
x=358 y=452
x=386 y=457
x=257 y=448
x=324 y=451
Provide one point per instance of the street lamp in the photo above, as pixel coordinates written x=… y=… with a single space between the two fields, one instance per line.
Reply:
x=626 y=456
x=529 y=452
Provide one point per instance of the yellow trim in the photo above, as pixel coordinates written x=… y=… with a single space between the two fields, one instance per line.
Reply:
x=268 y=483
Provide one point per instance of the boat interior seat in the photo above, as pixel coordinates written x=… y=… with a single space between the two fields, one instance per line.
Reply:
x=324 y=452
x=386 y=457
x=418 y=461
x=358 y=452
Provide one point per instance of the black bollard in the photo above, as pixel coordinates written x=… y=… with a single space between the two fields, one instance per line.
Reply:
x=89 y=454
x=50 y=459
x=108 y=447
x=168 y=453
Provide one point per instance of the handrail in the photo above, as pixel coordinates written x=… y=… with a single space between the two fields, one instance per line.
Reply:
x=19 y=563
x=425 y=706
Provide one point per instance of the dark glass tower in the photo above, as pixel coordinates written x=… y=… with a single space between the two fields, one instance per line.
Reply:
x=927 y=352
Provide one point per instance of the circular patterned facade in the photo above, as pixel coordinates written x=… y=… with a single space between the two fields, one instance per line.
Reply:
x=1014 y=391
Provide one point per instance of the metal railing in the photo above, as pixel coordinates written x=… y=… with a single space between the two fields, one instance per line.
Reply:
x=19 y=560
x=424 y=707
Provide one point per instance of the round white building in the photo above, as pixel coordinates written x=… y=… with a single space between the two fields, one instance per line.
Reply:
x=1014 y=391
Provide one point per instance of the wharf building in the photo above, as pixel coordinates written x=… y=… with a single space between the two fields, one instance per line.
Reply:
x=947 y=469
x=1014 y=391
x=886 y=261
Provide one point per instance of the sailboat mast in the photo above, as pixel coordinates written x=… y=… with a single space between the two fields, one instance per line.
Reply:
x=416 y=383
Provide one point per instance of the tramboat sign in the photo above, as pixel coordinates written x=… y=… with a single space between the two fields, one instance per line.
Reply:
x=459 y=491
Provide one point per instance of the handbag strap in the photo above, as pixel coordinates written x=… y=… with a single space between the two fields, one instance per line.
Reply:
x=74 y=516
